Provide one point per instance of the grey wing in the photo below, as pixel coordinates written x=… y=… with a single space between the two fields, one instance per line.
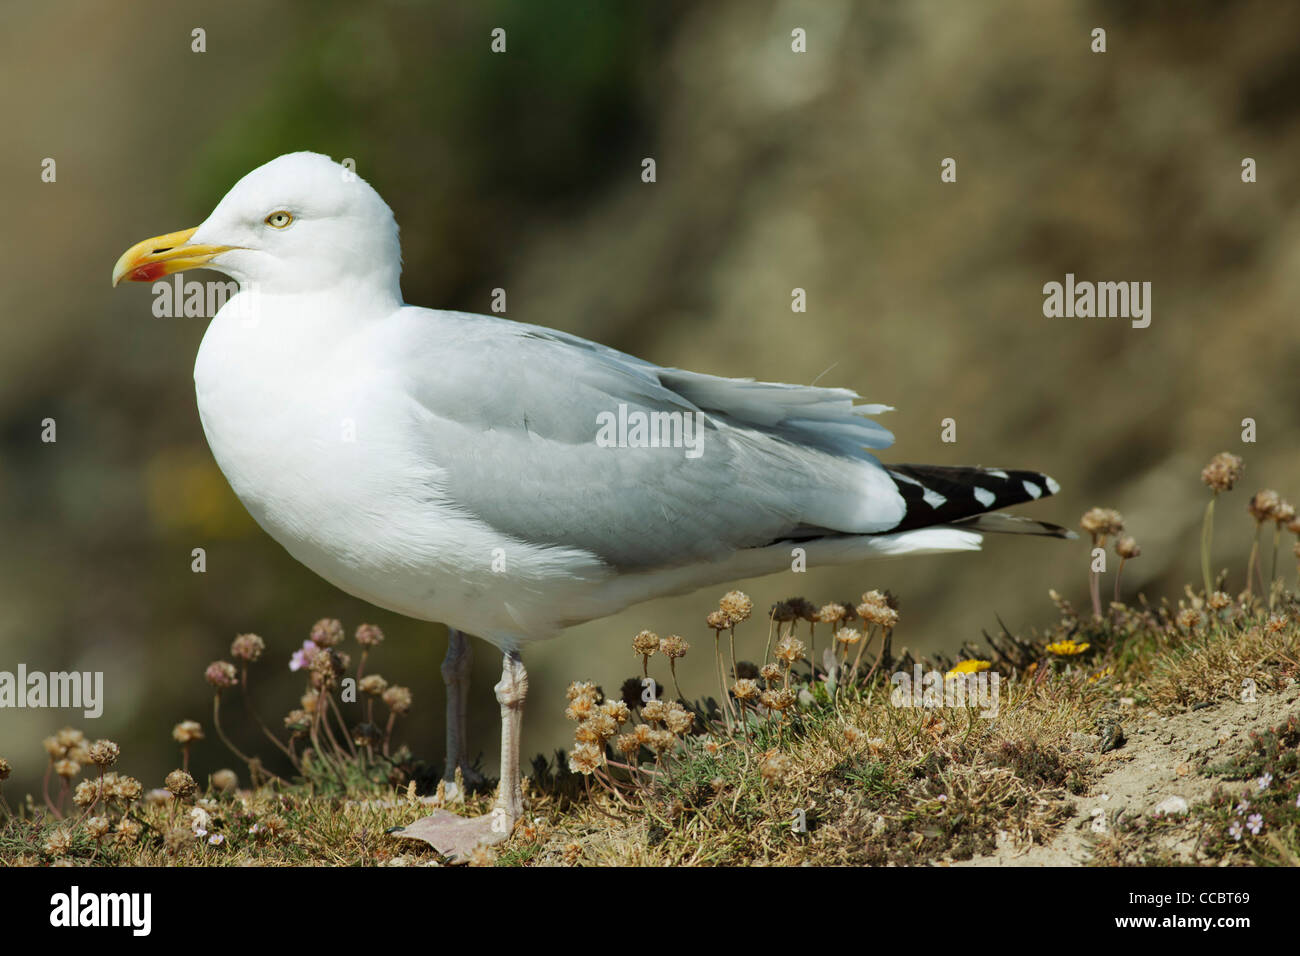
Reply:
x=515 y=413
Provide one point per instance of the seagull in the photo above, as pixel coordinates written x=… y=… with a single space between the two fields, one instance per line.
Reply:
x=509 y=480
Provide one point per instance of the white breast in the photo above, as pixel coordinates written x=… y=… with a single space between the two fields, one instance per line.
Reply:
x=315 y=436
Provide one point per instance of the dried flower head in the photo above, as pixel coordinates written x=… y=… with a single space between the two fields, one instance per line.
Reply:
x=1223 y=471
x=586 y=758
x=70 y=738
x=97 y=828
x=878 y=608
x=745 y=689
x=660 y=742
x=654 y=711
x=327 y=632
x=717 y=620
x=1101 y=523
x=603 y=725
x=679 y=720
x=736 y=605
x=831 y=613
x=122 y=788
x=1284 y=513
x=645 y=643
x=782 y=612
x=297 y=722
x=803 y=610
x=247 y=647
x=67 y=768
x=6 y=768
x=673 y=647
x=582 y=689
x=581 y=708
x=628 y=745
x=1127 y=547
x=59 y=841
x=180 y=784
x=225 y=780
x=617 y=710
x=372 y=684
x=187 y=732
x=1263 y=505
x=1218 y=601
x=771 y=673
x=1189 y=619
x=221 y=675
x=128 y=831
x=789 y=649
x=775 y=767
x=848 y=636
x=1275 y=624
x=398 y=699
x=86 y=793
x=779 y=700
x=587 y=733
x=326 y=669
x=369 y=635
x=104 y=753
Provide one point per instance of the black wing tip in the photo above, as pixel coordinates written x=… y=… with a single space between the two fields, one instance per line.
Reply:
x=942 y=494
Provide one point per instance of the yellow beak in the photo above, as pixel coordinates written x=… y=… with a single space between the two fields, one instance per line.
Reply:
x=163 y=255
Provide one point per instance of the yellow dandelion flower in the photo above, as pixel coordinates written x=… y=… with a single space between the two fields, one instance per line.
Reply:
x=1067 y=648
x=967 y=667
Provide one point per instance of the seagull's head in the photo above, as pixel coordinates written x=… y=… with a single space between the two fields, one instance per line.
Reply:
x=300 y=223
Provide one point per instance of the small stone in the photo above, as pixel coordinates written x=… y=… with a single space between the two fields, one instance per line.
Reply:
x=1170 y=806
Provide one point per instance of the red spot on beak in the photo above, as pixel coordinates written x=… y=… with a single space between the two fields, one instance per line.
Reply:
x=147 y=273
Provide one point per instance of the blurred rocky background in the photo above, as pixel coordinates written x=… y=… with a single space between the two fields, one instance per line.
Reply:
x=775 y=170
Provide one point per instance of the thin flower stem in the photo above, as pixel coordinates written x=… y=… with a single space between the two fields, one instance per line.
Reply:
x=1272 y=578
x=45 y=789
x=1207 y=539
x=1094 y=590
x=722 y=684
x=319 y=751
x=586 y=785
x=347 y=736
x=216 y=722
x=252 y=712
x=884 y=645
x=812 y=651
x=862 y=646
x=1250 y=565
x=735 y=674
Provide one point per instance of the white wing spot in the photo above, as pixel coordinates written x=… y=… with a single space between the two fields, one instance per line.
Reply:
x=985 y=497
x=1052 y=486
x=933 y=498
x=996 y=473
x=1033 y=489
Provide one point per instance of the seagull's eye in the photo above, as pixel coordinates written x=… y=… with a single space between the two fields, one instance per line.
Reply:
x=279 y=220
